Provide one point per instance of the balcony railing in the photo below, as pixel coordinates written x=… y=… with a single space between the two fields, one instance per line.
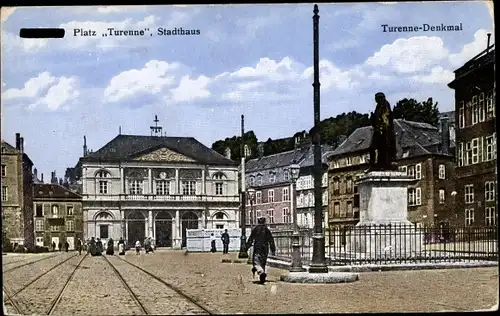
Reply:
x=189 y=198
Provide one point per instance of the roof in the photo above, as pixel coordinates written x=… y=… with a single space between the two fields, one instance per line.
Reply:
x=9 y=149
x=43 y=190
x=413 y=138
x=126 y=147
x=303 y=156
x=481 y=60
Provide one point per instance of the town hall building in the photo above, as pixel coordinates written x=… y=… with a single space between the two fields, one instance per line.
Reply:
x=156 y=186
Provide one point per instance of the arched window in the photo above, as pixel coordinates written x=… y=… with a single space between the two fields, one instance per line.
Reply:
x=102 y=181
x=135 y=183
x=220 y=216
x=252 y=181
x=55 y=209
x=219 y=176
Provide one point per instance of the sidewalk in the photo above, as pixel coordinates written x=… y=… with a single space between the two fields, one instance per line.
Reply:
x=229 y=287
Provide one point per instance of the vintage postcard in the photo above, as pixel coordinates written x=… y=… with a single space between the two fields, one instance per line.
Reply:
x=249 y=158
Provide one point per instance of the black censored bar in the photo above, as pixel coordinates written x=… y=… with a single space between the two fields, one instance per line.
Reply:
x=41 y=33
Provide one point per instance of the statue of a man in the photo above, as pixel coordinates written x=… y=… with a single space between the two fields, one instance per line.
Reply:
x=383 y=145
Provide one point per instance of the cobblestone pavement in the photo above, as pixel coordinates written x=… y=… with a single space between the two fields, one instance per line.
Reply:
x=229 y=288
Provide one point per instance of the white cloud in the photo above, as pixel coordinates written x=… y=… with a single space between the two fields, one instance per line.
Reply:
x=32 y=88
x=331 y=77
x=191 y=89
x=438 y=75
x=60 y=95
x=410 y=55
x=46 y=92
x=11 y=42
x=152 y=78
x=267 y=68
x=471 y=49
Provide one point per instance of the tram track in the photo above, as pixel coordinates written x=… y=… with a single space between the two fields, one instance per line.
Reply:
x=187 y=302
x=59 y=296
x=22 y=306
x=25 y=264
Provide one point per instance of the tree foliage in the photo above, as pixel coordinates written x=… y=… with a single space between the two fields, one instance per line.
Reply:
x=412 y=110
x=333 y=130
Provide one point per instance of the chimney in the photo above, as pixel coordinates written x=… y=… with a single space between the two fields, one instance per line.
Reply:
x=445 y=134
x=260 y=149
x=22 y=144
x=84 y=146
x=35 y=171
x=41 y=177
x=227 y=153
x=18 y=141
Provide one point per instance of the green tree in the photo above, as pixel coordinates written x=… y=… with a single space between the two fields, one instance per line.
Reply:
x=412 y=110
x=234 y=143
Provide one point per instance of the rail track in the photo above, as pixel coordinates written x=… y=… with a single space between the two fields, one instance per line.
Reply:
x=203 y=309
x=10 y=297
x=59 y=296
x=25 y=264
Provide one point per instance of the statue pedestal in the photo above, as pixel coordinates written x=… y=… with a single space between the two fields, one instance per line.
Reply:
x=384 y=230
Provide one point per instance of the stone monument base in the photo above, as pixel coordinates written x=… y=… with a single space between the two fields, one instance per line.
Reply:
x=383 y=230
x=385 y=241
x=320 y=278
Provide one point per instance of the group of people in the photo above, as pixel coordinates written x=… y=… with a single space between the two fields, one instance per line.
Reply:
x=66 y=246
x=96 y=247
x=148 y=246
x=225 y=242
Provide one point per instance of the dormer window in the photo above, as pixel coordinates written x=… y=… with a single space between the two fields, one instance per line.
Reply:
x=286 y=175
x=272 y=177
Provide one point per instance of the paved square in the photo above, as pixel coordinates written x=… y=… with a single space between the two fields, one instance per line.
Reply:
x=201 y=279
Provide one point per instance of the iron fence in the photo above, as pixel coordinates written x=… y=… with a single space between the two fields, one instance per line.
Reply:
x=394 y=243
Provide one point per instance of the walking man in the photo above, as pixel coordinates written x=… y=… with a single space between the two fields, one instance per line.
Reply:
x=79 y=246
x=262 y=240
x=225 y=242
x=66 y=246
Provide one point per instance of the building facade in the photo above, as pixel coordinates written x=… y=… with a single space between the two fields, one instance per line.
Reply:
x=58 y=215
x=474 y=86
x=422 y=152
x=17 y=194
x=156 y=186
x=270 y=176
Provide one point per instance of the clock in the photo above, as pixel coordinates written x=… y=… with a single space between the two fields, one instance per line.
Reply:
x=163 y=175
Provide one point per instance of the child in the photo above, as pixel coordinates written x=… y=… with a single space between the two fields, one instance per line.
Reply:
x=137 y=247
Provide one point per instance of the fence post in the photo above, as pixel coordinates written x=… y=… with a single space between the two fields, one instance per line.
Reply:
x=296 y=255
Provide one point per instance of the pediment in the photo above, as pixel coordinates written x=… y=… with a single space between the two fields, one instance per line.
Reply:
x=165 y=155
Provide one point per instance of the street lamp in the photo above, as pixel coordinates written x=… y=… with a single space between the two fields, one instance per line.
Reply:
x=251 y=197
x=318 y=264
x=296 y=255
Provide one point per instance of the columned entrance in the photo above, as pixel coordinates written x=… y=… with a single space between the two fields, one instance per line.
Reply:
x=163 y=229
x=136 y=228
x=189 y=221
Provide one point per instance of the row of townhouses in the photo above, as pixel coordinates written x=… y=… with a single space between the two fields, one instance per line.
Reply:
x=158 y=186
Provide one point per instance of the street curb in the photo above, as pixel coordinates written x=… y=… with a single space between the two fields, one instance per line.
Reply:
x=233 y=261
x=392 y=267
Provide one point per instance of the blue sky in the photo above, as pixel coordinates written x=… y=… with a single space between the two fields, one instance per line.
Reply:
x=248 y=59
